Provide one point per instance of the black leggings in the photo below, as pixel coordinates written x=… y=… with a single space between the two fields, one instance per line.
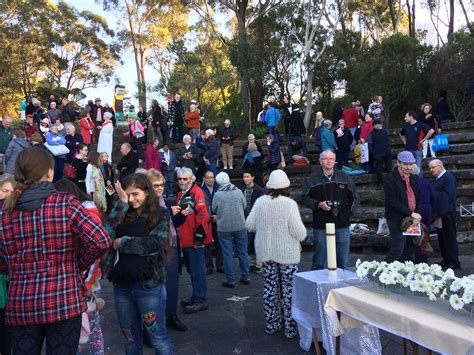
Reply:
x=62 y=338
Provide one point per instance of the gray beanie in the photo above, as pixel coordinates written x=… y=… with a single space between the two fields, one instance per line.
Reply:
x=222 y=179
x=278 y=180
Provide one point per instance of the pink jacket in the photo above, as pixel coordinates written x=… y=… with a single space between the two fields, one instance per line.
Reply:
x=137 y=130
x=152 y=158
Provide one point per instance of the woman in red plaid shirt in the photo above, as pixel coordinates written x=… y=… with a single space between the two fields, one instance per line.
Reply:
x=48 y=238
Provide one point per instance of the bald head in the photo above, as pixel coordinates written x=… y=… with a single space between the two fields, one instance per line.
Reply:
x=436 y=167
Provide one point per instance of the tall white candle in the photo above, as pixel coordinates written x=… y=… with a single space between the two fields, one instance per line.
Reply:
x=331 y=249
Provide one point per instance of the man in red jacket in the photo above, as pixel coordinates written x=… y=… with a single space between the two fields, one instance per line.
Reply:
x=195 y=232
x=351 y=119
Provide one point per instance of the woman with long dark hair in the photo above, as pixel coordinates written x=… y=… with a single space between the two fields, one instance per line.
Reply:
x=48 y=238
x=140 y=229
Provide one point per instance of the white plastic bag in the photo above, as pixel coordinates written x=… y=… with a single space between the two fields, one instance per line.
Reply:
x=383 y=227
x=364 y=153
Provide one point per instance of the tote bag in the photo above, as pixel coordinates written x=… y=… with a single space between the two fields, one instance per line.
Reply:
x=57 y=150
x=440 y=142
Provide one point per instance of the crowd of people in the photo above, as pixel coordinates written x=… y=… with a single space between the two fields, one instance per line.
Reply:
x=75 y=218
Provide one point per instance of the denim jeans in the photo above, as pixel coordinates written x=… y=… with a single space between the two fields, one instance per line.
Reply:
x=140 y=307
x=418 y=154
x=352 y=130
x=343 y=244
x=273 y=132
x=212 y=166
x=195 y=261
x=239 y=238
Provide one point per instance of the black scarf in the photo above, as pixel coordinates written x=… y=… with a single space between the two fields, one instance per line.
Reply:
x=34 y=196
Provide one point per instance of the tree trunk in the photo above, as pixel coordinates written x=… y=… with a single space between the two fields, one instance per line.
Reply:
x=451 y=20
x=468 y=22
x=142 y=82
x=393 y=16
x=309 y=96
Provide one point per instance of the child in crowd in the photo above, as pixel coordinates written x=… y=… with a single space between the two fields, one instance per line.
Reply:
x=273 y=153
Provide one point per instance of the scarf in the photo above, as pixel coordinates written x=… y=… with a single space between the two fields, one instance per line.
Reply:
x=171 y=229
x=34 y=196
x=99 y=188
x=227 y=187
x=410 y=194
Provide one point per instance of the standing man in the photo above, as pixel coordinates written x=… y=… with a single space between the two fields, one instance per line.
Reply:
x=97 y=113
x=351 y=119
x=272 y=118
x=252 y=192
x=413 y=135
x=402 y=199
x=176 y=116
x=53 y=112
x=444 y=188
x=209 y=187
x=195 y=233
x=188 y=154
x=67 y=112
x=333 y=197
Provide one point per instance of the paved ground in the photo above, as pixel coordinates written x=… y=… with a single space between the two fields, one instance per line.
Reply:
x=230 y=327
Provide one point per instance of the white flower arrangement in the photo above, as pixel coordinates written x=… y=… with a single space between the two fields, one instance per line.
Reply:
x=430 y=280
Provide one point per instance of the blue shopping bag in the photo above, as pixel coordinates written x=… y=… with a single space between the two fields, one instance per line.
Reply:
x=440 y=142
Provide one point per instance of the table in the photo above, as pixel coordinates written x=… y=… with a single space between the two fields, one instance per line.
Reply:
x=433 y=325
x=310 y=290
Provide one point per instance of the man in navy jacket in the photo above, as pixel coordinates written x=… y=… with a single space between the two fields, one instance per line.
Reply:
x=444 y=189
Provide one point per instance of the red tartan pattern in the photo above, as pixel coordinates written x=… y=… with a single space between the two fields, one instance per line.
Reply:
x=46 y=250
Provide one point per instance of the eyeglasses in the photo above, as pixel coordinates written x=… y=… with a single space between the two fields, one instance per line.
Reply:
x=183 y=179
x=329 y=159
x=157 y=186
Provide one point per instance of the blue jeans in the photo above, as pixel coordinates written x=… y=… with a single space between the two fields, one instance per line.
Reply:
x=139 y=307
x=195 y=261
x=418 y=154
x=212 y=166
x=352 y=130
x=227 y=239
x=273 y=132
x=343 y=244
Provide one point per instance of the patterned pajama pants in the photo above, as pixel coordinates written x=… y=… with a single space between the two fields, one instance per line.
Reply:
x=277 y=293
x=96 y=338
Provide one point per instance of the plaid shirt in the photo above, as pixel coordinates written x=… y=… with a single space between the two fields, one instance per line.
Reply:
x=46 y=250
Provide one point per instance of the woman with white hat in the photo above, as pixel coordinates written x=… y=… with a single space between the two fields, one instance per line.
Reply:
x=279 y=230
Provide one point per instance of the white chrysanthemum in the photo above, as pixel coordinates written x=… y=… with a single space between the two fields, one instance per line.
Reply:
x=449 y=274
x=428 y=279
x=432 y=297
x=456 y=285
x=384 y=278
x=436 y=270
x=468 y=295
x=418 y=277
x=358 y=262
x=444 y=294
x=456 y=302
x=413 y=285
x=439 y=283
x=362 y=272
x=421 y=286
x=408 y=279
x=466 y=282
x=471 y=277
x=395 y=266
x=423 y=268
x=399 y=279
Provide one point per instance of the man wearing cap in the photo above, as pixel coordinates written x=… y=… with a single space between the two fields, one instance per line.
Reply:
x=402 y=199
x=445 y=191
x=333 y=197
x=97 y=112
x=380 y=151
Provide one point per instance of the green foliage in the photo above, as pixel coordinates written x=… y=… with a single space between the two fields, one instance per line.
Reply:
x=259 y=132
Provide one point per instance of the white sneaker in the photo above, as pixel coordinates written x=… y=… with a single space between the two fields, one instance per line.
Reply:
x=225 y=167
x=231 y=168
x=424 y=156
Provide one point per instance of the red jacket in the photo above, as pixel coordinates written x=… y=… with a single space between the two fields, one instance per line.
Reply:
x=200 y=216
x=192 y=119
x=350 y=117
x=365 y=130
x=152 y=158
x=45 y=250
x=87 y=127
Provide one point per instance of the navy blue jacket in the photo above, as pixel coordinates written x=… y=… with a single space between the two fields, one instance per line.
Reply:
x=379 y=143
x=275 y=155
x=212 y=150
x=445 y=192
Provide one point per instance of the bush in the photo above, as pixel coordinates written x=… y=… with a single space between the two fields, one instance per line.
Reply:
x=259 y=132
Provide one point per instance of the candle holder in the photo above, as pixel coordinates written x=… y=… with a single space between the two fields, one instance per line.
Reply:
x=331 y=249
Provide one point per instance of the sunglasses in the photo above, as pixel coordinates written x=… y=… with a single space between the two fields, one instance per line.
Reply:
x=183 y=179
x=157 y=186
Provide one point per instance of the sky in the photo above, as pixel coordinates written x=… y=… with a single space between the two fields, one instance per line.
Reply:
x=126 y=73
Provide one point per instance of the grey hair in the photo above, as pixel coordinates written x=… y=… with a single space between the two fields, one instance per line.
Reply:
x=415 y=170
x=186 y=136
x=327 y=123
x=7 y=178
x=141 y=171
x=127 y=145
x=186 y=171
x=108 y=115
x=251 y=136
x=68 y=126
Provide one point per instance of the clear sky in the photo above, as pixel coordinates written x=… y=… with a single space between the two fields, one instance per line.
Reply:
x=126 y=73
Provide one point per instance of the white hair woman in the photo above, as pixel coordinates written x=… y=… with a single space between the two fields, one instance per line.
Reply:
x=73 y=139
x=279 y=230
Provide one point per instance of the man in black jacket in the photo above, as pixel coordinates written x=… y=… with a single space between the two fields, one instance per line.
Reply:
x=445 y=191
x=129 y=161
x=252 y=192
x=333 y=197
x=402 y=199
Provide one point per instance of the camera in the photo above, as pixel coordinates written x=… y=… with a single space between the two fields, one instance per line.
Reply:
x=334 y=207
x=188 y=200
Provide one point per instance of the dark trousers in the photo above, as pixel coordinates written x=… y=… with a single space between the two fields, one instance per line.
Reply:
x=216 y=248
x=342 y=159
x=5 y=341
x=402 y=247
x=380 y=164
x=194 y=260
x=62 y=338
x=172 y=282
x=448 y=244
x=137 y=145
x=58 y=168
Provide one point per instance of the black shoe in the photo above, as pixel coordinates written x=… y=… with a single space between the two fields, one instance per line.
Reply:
x=174 y=322
x=245 y=282
x=220 y=270
x=209 y=271
x=196 y=307
x=186 y=302
x=255 y=269
x=444 y=263
x=228 y=284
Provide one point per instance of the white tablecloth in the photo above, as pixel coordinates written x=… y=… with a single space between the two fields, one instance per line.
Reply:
x=310 y=291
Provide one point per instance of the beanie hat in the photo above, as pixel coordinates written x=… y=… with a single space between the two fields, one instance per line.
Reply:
x=222 y=179
x=278 y=180
x=45 y=120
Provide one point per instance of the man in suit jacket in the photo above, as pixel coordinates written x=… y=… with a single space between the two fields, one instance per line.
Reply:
x=402 y=199
x=444 y=189
x=129 y=161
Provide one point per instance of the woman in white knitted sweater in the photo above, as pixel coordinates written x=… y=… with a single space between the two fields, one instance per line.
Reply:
x=276 y=221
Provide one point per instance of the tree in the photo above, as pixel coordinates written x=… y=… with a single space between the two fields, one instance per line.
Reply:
x=148 y=24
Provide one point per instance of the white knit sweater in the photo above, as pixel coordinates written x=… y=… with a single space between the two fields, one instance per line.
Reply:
x=278 y=229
